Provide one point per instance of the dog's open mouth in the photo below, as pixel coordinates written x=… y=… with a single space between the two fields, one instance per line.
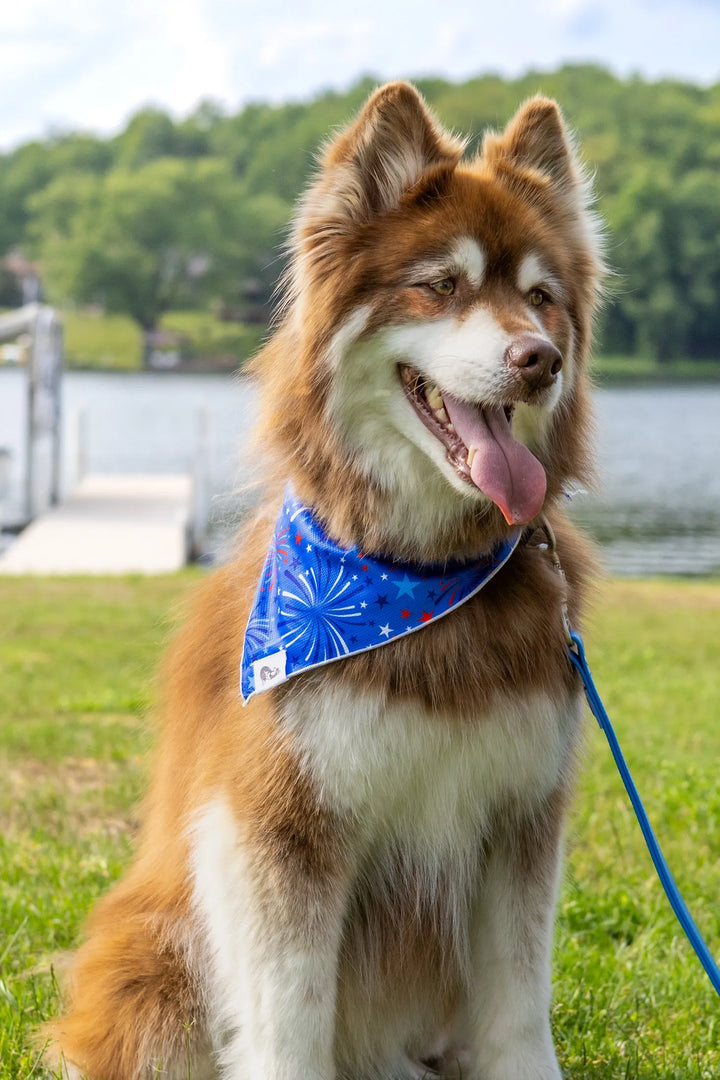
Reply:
x=480 y=446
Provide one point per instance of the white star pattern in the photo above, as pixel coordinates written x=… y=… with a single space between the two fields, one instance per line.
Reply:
x=385 y=631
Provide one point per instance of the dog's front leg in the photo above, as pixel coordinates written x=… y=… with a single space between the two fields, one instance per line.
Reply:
x=510 y=1008
x=273 y=903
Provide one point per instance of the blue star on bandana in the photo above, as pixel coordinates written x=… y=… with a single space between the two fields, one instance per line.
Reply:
x=317 y=602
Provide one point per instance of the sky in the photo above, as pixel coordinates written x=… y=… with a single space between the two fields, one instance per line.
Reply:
x=90 y=64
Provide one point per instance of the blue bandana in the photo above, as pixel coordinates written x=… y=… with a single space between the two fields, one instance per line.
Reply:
x=317 y=602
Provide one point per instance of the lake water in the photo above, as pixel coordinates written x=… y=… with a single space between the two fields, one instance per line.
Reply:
x=658 y=510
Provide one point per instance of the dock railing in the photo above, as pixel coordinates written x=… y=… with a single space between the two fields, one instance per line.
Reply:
x=43 y=361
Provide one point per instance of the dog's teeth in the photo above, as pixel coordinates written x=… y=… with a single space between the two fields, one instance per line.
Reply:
x=434 y=398
x=442 y=416
x=472 y=451
x=451 y=428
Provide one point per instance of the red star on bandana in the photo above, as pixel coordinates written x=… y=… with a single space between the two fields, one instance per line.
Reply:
x=426 y=616
x=406 y=613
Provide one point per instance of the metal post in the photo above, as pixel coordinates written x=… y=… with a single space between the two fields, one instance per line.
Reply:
x=31 y=364
x=58 y=349
x=43 y=367
x=200 y=483
x=77 y=445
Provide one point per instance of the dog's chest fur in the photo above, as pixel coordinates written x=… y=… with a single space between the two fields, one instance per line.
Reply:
x=422 y=779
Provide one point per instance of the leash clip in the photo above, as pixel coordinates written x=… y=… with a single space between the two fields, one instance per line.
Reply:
x=551 y=547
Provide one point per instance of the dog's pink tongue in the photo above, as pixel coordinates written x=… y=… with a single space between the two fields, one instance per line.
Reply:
x=503 y=468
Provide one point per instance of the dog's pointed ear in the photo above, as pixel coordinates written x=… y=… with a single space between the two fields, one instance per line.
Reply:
x=392 y=144
x=537 y=140
x=536 y=157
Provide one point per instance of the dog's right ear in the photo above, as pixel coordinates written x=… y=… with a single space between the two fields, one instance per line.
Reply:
x=394 y=141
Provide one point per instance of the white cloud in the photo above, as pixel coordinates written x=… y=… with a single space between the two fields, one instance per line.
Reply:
x=87 y=63
x=564 y=9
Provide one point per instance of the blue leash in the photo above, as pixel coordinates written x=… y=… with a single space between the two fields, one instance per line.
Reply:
x=577 y=655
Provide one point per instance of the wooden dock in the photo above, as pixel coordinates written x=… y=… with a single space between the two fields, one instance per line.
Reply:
x=111 y=524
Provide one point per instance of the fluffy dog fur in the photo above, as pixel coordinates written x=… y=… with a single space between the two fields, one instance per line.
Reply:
x=355 y=875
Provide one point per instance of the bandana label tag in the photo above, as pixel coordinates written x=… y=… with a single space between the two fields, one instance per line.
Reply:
x=270 y=670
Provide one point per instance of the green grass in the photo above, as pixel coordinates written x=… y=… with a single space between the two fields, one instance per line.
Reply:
x=631 y=999
x=110 y=342
x=632 y=1003
x=77 y=659
x=114 y=342
x=217 y=340
x=647 y=369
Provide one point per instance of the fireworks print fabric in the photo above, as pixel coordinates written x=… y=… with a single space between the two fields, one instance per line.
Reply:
x=317 y=602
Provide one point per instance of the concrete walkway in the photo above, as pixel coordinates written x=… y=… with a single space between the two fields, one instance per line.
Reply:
x=111 y=524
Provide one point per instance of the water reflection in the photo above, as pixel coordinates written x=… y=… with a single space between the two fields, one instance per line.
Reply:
x=658 y=509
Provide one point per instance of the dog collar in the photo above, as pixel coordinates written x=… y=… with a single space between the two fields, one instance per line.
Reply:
x=317 y=602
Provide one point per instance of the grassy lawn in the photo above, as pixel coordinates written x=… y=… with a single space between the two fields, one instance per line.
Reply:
x=646 y=369
x=631 y=1001
x=108 y=342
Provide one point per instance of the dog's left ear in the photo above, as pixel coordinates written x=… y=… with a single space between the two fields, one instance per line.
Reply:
x=394 y=142
x=536 y=157
x=535 y=142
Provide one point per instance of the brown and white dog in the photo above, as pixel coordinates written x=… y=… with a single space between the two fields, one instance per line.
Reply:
x=354 y=876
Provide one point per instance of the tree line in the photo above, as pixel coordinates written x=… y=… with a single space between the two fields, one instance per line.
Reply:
x=192 y=213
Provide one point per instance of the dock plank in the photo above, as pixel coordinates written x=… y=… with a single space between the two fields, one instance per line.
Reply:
x=111 y=524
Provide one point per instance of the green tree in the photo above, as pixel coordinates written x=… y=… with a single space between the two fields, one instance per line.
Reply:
x=150 y=134
x=193 y=212
x=174 y=233
x=696 y=271
x=31 y=167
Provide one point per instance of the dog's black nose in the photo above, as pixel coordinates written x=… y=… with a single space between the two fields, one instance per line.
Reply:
x=534 y=358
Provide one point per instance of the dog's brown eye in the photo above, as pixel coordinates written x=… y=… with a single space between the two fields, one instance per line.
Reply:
x=537 y=297
x=446 y=287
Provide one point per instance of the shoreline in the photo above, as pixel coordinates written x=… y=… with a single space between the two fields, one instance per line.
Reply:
x=600 y=377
